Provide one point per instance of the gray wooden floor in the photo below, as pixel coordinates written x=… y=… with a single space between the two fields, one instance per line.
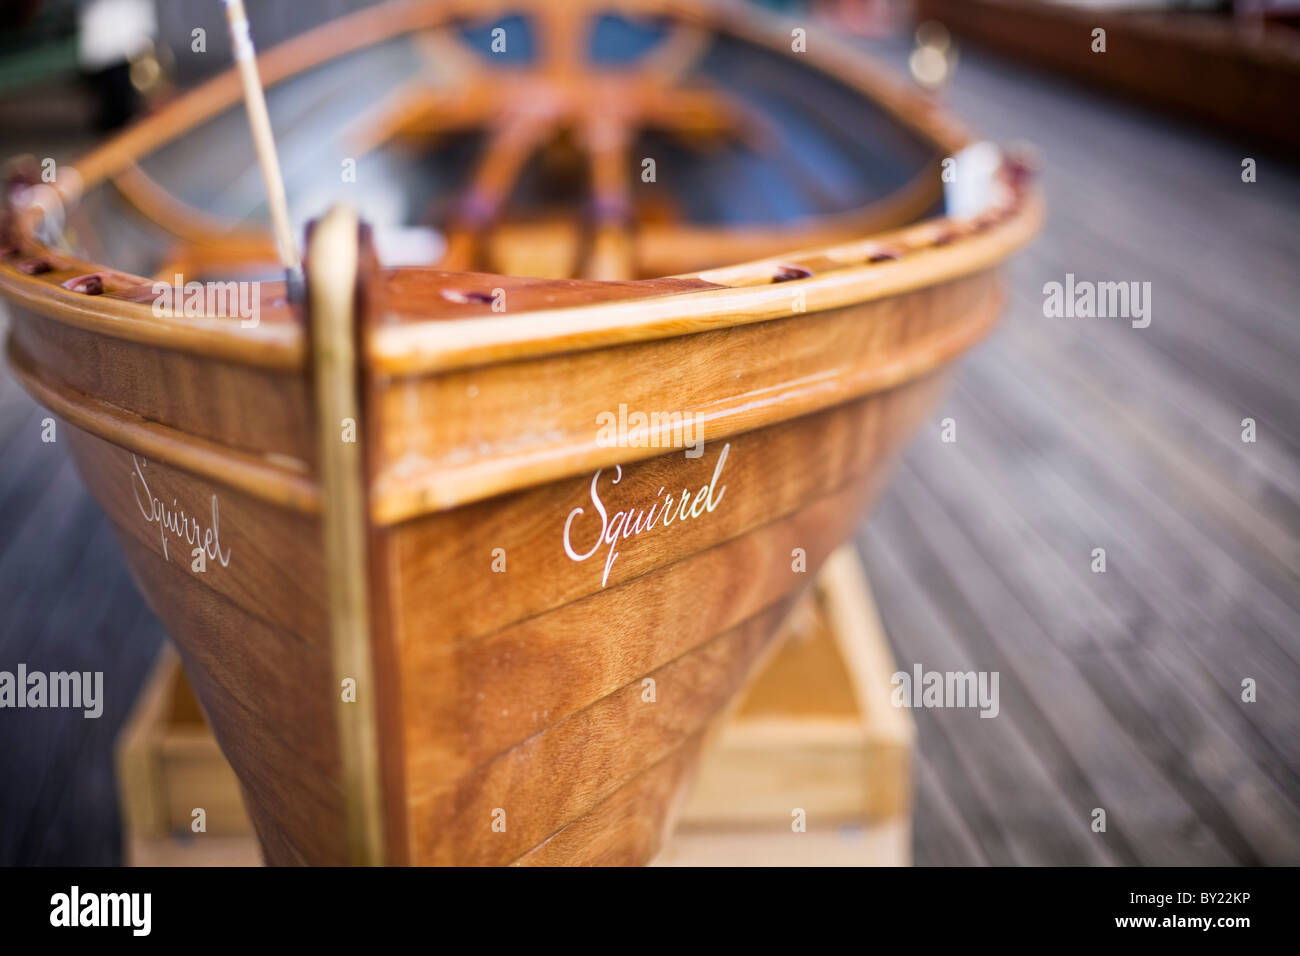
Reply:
x=66 y=598
x=1118 y=690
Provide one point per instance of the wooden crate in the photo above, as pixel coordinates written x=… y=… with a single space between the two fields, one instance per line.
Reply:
x=816 y=732
x=168 y=764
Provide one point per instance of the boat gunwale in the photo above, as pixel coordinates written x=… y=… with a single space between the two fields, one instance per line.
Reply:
x=278 y=483
x=436 y=345
x=445 y=487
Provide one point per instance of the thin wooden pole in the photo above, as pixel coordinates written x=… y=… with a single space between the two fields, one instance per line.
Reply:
x=260 y=123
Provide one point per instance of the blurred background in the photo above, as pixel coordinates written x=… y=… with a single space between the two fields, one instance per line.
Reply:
x=1168 y=157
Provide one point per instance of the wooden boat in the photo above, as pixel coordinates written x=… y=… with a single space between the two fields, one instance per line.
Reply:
x=434 y=615
x=1239 y=73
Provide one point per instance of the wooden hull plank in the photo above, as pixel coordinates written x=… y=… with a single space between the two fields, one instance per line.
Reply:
x=270 y=551
x=483 y=696
x=630 y=826
x=566 y=770
x=767 y=474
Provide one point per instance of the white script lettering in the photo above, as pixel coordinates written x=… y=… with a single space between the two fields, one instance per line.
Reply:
x=633 y=521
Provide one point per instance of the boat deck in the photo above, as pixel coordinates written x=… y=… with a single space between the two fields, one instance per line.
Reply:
x=1118 y=690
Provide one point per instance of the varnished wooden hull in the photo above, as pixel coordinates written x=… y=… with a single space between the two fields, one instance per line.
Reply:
x=520 y=690
x=384 y=525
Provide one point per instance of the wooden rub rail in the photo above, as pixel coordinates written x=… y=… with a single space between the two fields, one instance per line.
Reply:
x=257 y=476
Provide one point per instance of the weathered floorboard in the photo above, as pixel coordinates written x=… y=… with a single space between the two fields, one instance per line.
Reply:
x=1125 y=687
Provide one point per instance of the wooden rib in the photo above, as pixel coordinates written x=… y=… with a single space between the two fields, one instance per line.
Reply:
x=544 y=249
x=612 y=255
x=383 y=22
x=670 y=249
x=680 y=248
x=414 y=110
x=159 y=206
x=702 y=111
x=406 y=349
x=679 y=53
x=217 y=258
x=446 y=57
x=562 y=31
x=352 y=32
x=368 y=27
x=332 y=291
x=509 y=148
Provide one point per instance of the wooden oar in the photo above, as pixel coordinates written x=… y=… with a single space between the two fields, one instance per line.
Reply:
x=260 y=123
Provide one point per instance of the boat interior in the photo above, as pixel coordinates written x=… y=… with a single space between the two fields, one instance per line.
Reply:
x=636 y=145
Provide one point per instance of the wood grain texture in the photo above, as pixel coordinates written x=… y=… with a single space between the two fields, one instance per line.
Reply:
x=767 y=474
x=511 y=663
x=481 y=666
x=252 y=635
x=279 y=343
x=568 y=769
x=514 y=424
x=1071 y=433
x=629 y=826
x=264 y=414
x=333 y=277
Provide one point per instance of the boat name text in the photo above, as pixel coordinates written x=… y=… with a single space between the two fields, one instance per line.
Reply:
x=625 y=524
x=175 y=520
